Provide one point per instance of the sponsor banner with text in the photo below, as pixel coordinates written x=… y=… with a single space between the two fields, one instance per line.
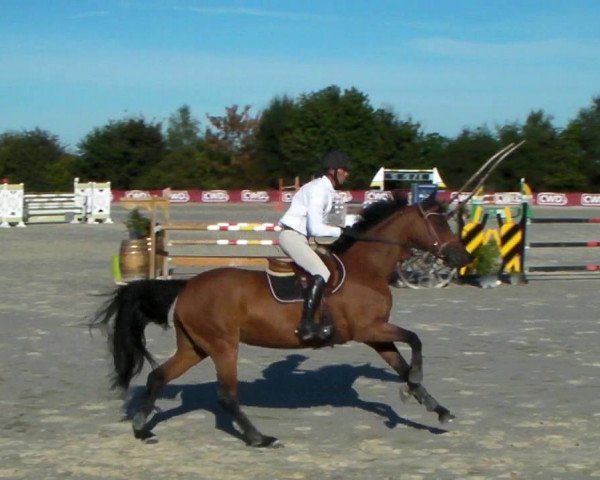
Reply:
x=546 y=199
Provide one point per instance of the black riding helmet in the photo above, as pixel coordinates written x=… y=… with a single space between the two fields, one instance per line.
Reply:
x=335 y=159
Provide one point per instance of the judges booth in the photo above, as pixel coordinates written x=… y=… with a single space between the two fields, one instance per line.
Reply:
x=420 y=183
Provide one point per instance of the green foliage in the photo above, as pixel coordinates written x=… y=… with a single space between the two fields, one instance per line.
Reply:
x=60 y=174
x=231 y=141
x=583 y=136
x=183 y=130
x=487 y=258
x=32 y=157
x=294 y=135
x=138 y=225
x=122 y=151
x=462 y=156
x=288 y=139
x=186 y=168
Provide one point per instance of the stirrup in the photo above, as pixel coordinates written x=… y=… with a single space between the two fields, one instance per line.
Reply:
x=307 y=331
x=325 y=332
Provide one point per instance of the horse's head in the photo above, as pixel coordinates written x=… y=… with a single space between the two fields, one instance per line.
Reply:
x=433 y=234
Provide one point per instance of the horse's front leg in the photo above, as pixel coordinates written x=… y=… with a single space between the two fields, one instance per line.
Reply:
x=226 y=365
x=389 y=352
x=386 y=333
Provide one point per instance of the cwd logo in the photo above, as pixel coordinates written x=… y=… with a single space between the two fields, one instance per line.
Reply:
x=179 y=196
x=215 y=196
x=137 y=194
x=376 y=195
x=507 y=198
x=345 y=196
x=252 y=196
x=590 y=199
x=460 y=196
x=554 y=199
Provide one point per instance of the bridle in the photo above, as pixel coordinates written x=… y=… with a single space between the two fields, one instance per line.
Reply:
x=437 y=244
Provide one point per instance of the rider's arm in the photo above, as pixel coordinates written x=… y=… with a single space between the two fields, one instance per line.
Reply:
x=317 y=209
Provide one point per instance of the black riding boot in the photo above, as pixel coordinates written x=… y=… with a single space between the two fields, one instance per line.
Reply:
x=308 y=329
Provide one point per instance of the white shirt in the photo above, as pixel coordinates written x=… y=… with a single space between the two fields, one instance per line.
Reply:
x=310 y=205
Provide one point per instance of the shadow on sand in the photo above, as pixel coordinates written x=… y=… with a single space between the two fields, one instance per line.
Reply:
x=284 y=386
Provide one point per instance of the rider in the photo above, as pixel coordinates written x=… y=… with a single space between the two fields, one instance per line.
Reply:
x=306 y=218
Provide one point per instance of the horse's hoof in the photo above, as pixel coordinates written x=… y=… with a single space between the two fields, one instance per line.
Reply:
x=445 y=416
x=138 y=422
x=265 y=442
x=144 y=435
x=139 y=427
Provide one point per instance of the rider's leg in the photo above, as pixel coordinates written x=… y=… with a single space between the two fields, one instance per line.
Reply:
x=296 y=246
x=308 y=329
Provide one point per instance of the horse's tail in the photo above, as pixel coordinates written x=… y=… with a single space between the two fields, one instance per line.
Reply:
x=125 y=316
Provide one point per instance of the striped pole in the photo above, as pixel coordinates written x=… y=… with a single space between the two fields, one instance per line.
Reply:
x=565 y=220
x=225 y=227
x=225 y=241
x=565 y=268
x=564 y=244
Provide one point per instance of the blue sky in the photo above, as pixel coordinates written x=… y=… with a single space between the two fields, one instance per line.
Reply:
x=68 y=66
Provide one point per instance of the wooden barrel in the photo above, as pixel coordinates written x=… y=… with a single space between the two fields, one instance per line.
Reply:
x=134 y=259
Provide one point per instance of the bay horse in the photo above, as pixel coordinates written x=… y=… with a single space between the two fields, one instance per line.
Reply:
x=216 y=310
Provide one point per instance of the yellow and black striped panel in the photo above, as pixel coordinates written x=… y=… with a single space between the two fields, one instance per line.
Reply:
x=511 y=238
x=472 y=238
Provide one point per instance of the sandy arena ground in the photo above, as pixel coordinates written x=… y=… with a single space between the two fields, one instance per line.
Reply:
x=518 y=365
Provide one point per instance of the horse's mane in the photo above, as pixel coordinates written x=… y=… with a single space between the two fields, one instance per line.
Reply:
x=369 y=216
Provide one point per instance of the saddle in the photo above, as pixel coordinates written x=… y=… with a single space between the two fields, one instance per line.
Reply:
x=287 y=280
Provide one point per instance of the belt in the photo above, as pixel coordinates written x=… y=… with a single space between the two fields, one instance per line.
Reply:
x=285 y=227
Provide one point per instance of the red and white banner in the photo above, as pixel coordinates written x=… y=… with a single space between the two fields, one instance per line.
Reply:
x=546 y=199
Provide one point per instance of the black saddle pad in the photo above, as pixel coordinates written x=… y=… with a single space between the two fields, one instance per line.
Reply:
x=285 y=288
x=288 y=287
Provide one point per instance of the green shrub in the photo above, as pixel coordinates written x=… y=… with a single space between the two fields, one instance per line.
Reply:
x=137 y=224
x=488 y=258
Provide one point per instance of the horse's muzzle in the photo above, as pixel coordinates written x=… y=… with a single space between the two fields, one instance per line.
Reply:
x=456 y=256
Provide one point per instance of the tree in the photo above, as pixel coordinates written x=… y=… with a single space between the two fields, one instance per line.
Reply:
x=294 y=135
x=465 y=154
x=33 y=157
x=122 y=151
x=582 y=134
x=546 y=160
x=271 y=162
x=231 y=143
x=183 y=131
x=61 y=173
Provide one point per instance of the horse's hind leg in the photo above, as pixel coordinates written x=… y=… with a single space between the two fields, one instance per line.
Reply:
x=389 y=352
x=184 y=358
x=226 y=365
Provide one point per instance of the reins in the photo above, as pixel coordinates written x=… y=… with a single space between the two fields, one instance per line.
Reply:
x=350 y=233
